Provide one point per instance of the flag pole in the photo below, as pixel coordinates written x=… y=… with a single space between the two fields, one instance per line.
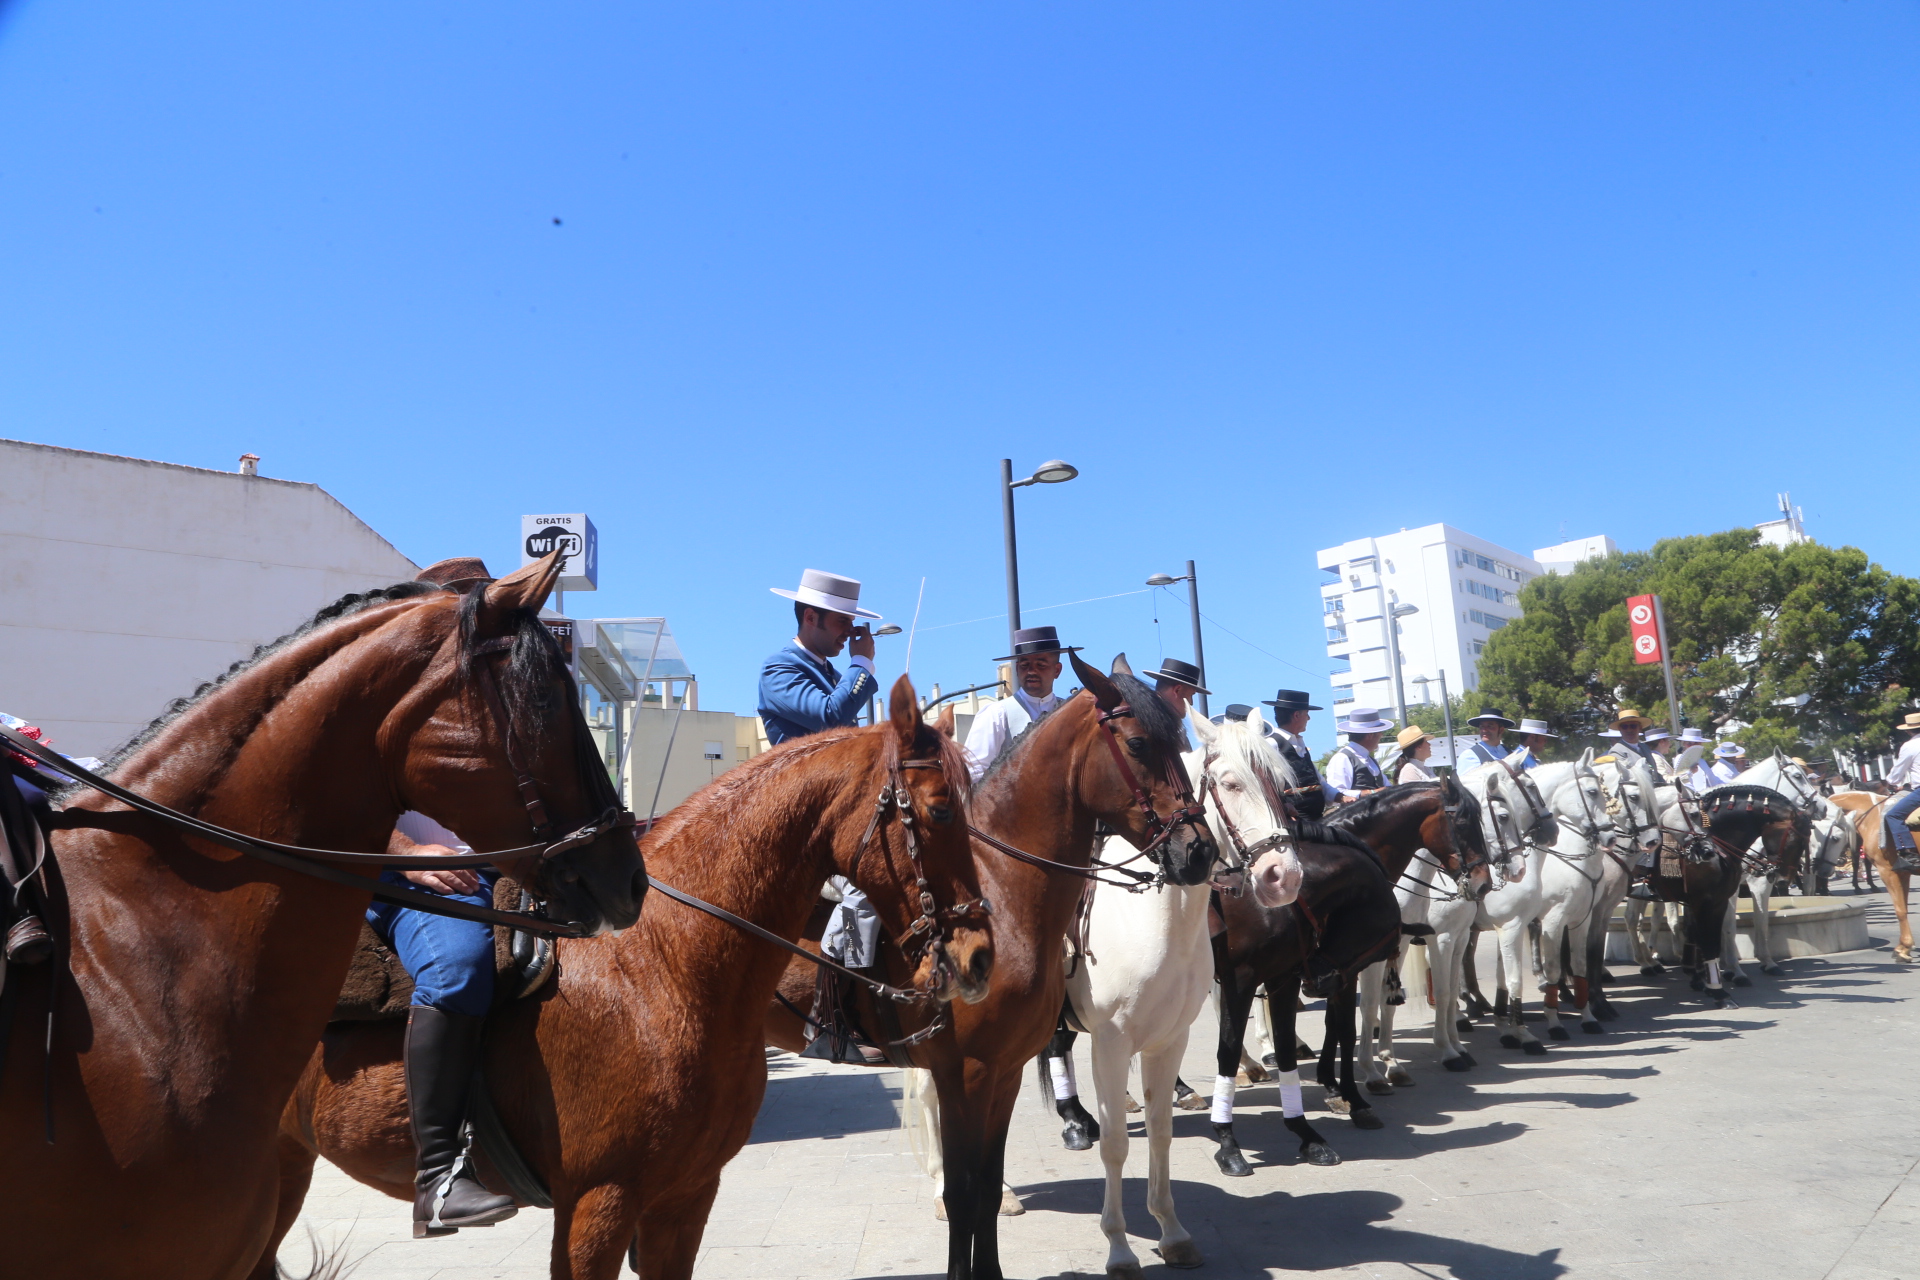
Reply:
x=1666 y=667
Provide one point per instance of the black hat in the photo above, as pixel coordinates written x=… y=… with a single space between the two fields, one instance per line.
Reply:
x=1289 y=701
x=1236 y=711
x=1492 y=713
x=1037 y=640
x=1180 y=673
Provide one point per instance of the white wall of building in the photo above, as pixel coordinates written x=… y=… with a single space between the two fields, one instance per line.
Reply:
x=126 y=583
x=1464 y=587
x=1561 y=557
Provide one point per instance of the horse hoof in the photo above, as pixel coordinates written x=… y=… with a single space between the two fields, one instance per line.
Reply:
x=1379 y=1086
x=1183 y=1255
x=1195 y=1101
x=1558 y=1032
x=1463 y=1025
x=1650 y=970
x=940 y=1208
x=1456 y=1064
x=1233 y=1164
x=1593 y=1028
x=1509 y=1042
x=1468 y=1059
x=1742 y=980
x=1722 y=1002
x=1077 y=1138
x=1010 y=1206
x=1399 y=1077
x=1126 y=1271
x=1605 y=979
x=1607 y=1014
x=1339 y=1106
x=1364 y=1118
x=1533 y=1047
x=1319 y=1153
x=1769 y=968
x=1250 y=1075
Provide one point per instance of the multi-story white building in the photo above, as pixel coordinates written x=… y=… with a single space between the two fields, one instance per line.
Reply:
x=1462 y=589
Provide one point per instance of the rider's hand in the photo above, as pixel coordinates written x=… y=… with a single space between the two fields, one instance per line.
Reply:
x=860 y=642
x=451 y=880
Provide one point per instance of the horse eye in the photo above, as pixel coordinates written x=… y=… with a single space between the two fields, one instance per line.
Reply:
x=940 y=813
x=1137 y=745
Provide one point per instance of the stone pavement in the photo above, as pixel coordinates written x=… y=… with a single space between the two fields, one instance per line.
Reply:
x=1776 y=1140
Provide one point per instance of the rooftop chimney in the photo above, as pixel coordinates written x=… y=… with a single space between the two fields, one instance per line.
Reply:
x=249 y=464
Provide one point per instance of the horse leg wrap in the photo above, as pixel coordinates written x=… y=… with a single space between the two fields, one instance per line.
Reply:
x=1580 y=992
x=1551 y=996
x=1713 y=973
x=1064 y=1088
x=1223 y=1099
x=1290 y=1103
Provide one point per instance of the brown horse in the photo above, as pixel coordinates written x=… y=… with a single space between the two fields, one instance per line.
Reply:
x=633 y=1080
x=151 y=1059
x=1869 y=822
x=1044 y=796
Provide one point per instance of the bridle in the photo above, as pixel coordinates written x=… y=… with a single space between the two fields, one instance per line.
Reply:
x=324 y=864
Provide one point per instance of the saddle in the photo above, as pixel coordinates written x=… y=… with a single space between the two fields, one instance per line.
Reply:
x=378 y=989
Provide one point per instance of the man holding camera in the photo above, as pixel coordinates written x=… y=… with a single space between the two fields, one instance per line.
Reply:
x=801 y=691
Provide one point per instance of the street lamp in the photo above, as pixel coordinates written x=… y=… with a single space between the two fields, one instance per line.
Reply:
x=1054 y=472
x=1446 y=707
x=1395 y=612
x=1193 y=605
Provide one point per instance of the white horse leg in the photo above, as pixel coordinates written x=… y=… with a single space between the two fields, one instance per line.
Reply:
x=1552 y=929
x=1642 y=943
x=1111 y=1055
x=1372 y=997
x=1512 y=940
x=1157 y=1071
x=1761 y=887
x=1450 y=980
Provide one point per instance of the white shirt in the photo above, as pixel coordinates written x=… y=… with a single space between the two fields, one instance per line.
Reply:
x=1906 y=765
x=1000 y=723
x=1713 y=773
x=421 y=829
x=1340 y=770
x=853 y=660
x=1414 y=771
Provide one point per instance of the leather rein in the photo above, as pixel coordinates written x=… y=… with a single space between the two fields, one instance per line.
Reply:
x=317 y=862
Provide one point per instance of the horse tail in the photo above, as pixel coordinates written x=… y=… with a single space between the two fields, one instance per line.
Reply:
x=921 y=1140
x=1413 y=976
x=328 y=1264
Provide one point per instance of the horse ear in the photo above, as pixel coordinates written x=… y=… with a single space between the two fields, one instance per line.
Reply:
x=526 y=588
x=1256 y=723
x=1104 y=691
x=944 y=720
x=1204 y=730
x=1586 y=758
x=903 y=714
x=1120 y=667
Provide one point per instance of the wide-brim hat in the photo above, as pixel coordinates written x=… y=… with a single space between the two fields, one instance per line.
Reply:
x=1728 y=750
x=1180 y=673
x=1539 y=727
x=1494 y=715
x=1911 y=722
x=456 y=574
x=1655 y=735
x=1365 y=720
x=1290 y=701
x=1628 y=716
x=1411 y=735
x=828 y=591
x=1690 y=735
x=1031 y=640
x=1235 y=711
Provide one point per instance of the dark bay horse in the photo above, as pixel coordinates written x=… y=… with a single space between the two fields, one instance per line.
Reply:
x=150 y=1060
x=634 y=1078
x=1044 y=796
x=1345 y=919
x=1745 y=825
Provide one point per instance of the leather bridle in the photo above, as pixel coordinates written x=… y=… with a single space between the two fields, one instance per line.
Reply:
x=323 y=864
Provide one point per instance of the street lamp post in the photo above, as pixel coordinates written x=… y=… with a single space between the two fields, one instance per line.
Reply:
x=1392 y=615
x=1446 y=708
x=1054 y=472
x=1193 y=607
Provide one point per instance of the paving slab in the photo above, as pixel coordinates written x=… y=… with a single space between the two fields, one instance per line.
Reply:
x=1778 y=1139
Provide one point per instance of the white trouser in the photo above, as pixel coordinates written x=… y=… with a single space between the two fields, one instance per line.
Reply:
x=853 y=933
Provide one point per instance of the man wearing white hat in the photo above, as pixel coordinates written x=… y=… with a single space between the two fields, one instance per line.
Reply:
x=1905 y=774
x=1352 y=770
x=1534 y=737
x=1726 y=764
x=1036 y=660
x=801 y=692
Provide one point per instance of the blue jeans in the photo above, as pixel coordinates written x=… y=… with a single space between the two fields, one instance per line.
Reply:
x=450 y=961
x=1897 y=827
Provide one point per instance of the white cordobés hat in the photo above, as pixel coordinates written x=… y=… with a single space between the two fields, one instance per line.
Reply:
x=828 y=591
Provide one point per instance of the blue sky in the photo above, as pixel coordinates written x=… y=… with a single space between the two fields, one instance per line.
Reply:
x=766 y=286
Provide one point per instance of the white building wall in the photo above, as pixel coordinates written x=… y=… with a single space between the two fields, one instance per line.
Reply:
x=1465 y=588
x=125 y=583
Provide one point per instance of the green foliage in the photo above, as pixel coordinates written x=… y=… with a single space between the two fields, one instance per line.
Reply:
x=1806 y=648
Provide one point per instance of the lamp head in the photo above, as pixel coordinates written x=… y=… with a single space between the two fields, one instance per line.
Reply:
x=1055 y=472
x=1161 y=580
x=891 y=629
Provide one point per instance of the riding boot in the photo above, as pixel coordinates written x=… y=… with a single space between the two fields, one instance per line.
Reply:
x=1641 y=889
x=442 y=1050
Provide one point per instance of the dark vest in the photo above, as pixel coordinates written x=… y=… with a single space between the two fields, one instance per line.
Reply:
x=1312 y=801
x=1365 y=769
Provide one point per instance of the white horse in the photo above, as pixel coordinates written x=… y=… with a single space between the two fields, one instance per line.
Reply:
x=1632 y=786
x=1518 y=824
x=1428 y=896
x=1148 y=968
x=1571 y=879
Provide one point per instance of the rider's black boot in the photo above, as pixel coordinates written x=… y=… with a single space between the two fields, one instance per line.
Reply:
x=441 y=1052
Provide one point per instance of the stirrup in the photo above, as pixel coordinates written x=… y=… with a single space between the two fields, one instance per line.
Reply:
x=1643 y=891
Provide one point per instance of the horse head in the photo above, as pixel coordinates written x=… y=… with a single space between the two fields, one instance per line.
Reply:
x=1242 y=793
x=1138 y=781
x=491 y=742
x=1633 y=787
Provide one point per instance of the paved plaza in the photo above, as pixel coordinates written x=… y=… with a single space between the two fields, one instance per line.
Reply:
x=1779 y=1139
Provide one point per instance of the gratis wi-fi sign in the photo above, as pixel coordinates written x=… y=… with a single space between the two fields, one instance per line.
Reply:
x=574 y=536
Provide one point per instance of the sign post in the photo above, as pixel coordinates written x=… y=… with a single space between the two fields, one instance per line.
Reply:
x=1649 y=626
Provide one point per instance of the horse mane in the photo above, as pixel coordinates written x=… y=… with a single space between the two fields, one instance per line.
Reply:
x=345 y=607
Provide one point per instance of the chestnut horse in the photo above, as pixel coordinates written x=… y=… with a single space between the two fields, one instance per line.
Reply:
x=1044 y=796
x=1869 y=817
x=150 y=1060
x=633 y=1079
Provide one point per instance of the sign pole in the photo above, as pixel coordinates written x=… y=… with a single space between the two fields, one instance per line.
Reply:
x=1446 y=710
x=1666 y=667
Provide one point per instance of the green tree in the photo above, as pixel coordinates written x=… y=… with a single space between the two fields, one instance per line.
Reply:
x=1807 y=648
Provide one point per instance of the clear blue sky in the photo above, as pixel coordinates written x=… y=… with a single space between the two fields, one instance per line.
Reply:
x=1272 y=275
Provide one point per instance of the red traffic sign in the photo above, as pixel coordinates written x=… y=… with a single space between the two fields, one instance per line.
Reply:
x=1644 y=620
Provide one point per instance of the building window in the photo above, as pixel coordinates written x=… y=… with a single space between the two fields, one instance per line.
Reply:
x=1478 y=645
x=1341 y=665
x=1336 y=634
x=1335 y=604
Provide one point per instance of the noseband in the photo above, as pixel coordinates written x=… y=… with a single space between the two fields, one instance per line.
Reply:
x=1189 y=814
